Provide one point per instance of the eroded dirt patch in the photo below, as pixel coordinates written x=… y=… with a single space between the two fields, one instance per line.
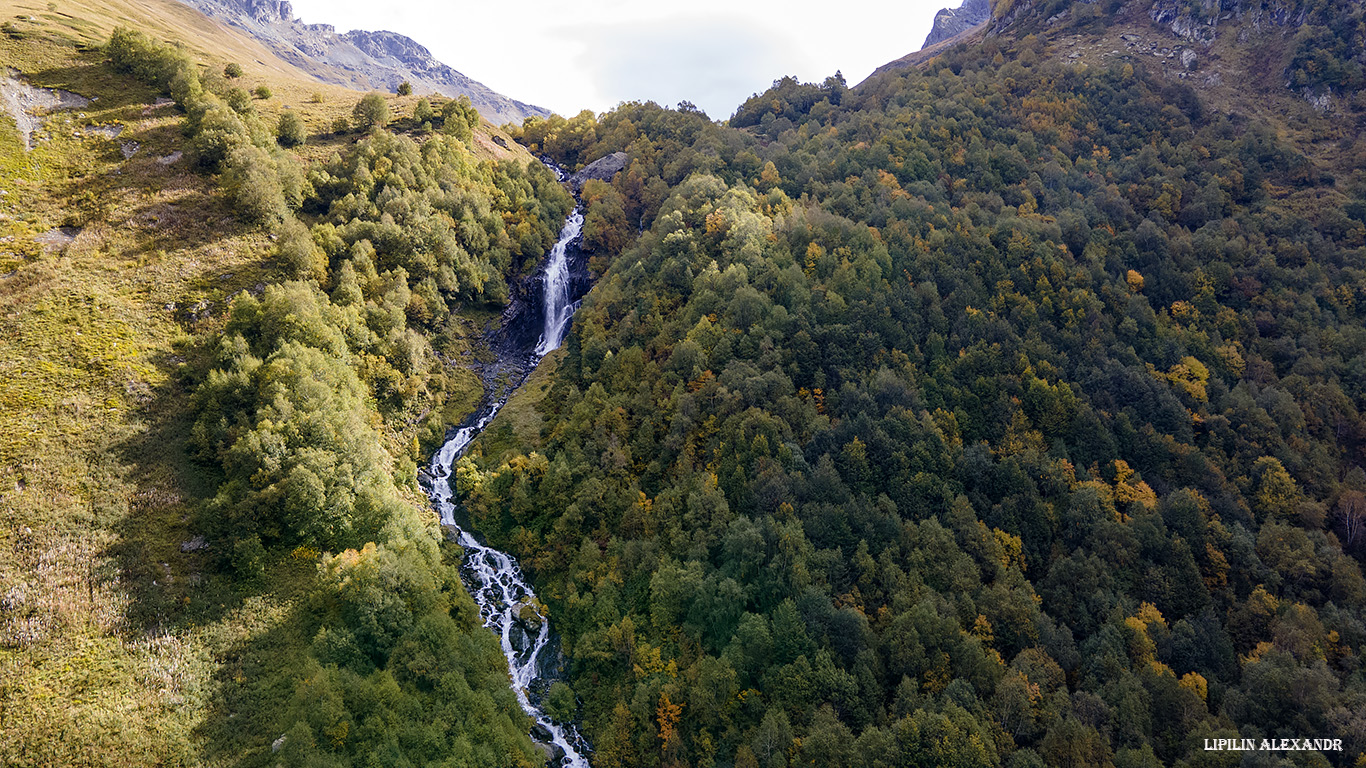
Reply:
x=58 y=238
x=28 y=104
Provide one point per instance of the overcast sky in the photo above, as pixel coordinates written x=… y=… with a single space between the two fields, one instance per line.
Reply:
x=572 y=55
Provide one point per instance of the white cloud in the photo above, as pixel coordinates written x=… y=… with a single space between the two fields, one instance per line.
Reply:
x=710 y=61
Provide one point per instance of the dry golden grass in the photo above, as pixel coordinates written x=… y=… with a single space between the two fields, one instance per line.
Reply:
x=213 y=45
x=89 y=22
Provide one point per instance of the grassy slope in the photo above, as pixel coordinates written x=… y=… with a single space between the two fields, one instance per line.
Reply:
x=100 y=665
x=117 y=648
x=88 y=22
x=1221 y=78
x=517 y=427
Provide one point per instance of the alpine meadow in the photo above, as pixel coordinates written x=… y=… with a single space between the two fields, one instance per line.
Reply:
x=1006 y=408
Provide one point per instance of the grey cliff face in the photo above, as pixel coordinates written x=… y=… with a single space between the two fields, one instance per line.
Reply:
x=360 y=59
x=385 y=45
x=268 y=11
x=951 y=22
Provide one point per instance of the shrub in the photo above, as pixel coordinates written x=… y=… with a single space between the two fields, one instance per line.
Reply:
x=297 y=252
x=219 y=131
x=372 y=111
x=185 y=87
x=459 y=118
x=405 y=88
x=232 y=71
x=252 y=184
x=290 y=132
x=262 y=92
x=239 y=100
x=561 y=703
x=133 y=53
x=423 y=113
x=249 y=560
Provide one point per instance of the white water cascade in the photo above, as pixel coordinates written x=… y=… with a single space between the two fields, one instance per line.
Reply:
x=558 y=308
x=493 y=577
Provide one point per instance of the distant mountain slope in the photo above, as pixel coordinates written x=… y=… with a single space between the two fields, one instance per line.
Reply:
x=915 y=58
x=1298 y=64
x=359 y=59
x=952 y=22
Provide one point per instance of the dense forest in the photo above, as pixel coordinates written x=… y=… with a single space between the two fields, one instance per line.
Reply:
x=995 y=412
x=1000 y=410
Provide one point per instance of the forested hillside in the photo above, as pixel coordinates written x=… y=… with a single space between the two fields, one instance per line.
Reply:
x=997 y=412
x=395 y=660
x=1005 y=409
x=257 y=317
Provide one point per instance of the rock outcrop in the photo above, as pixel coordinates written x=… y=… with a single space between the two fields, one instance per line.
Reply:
x=952 y=22
x=1199 y=22
x=603 y=169
x=360 y=59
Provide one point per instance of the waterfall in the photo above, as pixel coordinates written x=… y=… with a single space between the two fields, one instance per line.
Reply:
x=558 y=307
x=493 y=577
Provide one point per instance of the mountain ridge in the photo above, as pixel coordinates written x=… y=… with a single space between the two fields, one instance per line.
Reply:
x=366 y=60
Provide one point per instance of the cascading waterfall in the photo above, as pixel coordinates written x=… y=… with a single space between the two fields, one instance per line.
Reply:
x=558 y=308
x=493 y=577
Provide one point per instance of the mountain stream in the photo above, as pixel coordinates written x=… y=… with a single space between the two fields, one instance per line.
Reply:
x=493 y=577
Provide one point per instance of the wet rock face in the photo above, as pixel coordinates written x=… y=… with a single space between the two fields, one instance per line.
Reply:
x=524 y=317
x=530 y=618
x=951 y=22
x=554 y=753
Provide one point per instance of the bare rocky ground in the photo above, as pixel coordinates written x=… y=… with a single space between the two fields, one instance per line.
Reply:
x=27 y=104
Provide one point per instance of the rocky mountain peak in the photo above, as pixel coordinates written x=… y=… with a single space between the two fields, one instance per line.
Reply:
x=951 y=22
x=390 y=45
x=268 y=11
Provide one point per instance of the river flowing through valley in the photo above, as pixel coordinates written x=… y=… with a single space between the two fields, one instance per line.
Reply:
x=493 y=577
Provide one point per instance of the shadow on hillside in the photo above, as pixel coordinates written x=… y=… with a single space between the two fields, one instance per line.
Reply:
x=176 y=580
x=175 y=577
x=246 y=692
x=168 y=576
x=90 y=77
x=251 y=693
